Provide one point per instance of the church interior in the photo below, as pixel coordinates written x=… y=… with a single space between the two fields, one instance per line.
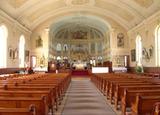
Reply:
x=80 y=57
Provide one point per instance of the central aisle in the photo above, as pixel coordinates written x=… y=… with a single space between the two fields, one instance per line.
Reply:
x=83 y=98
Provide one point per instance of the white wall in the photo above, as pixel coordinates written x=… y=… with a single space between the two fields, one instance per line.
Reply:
x=147 y=31
x=15 y=30
x=40 y=51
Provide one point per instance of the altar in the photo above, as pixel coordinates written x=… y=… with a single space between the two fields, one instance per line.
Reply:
x=79 y=65
x=79 y=68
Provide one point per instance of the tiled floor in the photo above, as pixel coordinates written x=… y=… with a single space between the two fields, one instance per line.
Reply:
x=83 y=98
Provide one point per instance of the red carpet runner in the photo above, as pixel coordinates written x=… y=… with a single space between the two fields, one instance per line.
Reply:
x=80 y=72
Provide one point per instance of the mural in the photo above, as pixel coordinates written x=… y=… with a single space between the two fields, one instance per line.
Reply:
x=79 y=35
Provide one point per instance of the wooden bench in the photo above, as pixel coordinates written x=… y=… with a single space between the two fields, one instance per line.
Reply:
x=31 y=110
x=52 y=86
x=114 y=86
x=120 y=90
x=34 y=88
x=23 y=102
x=130 y=96
x=156 y=109
x=50 y=99
x=143 y=105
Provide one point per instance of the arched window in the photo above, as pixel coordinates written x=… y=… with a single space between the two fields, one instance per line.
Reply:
x=3 y=46
x=21 y=51
x=157 y=45
x=65 y=47
x=58 y=48
x=139 y=50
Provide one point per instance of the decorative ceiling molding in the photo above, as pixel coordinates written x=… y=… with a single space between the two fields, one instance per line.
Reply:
x=80 y=2
x=122 y=12
x=127 y=13
x=144 y=3
x=17 y=3
x=72 y=11
x=5 y=16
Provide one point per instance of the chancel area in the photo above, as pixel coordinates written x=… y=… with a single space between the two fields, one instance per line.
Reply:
x=80 y=57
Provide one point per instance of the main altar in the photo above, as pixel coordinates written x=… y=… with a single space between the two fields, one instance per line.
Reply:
x=79 y=65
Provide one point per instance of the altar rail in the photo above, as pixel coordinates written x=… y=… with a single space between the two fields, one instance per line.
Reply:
x=146 y=69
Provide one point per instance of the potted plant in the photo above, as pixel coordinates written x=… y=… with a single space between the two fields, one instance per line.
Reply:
x=139 y=69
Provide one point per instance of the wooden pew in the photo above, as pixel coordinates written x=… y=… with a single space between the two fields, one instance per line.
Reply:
x=50 y=99
x=59 y=86
x=120 y=90
x=130 y=96
x=109 y=83
x=143 y=105
x=113 y=88
x=35 y=88
x=55 y=90
x=48 y=82
x=23 y=102
x=56 y=84
x=31 y=110
x=113 y=84
x=156 y=109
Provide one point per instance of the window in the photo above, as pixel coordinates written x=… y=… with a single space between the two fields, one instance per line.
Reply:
x=139 y=50
x=58 y=47
x=157 y=45
x=21 y=51
x=3 y=46
x=65 y=48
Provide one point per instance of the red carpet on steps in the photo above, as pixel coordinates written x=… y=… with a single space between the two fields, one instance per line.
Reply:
x=80 y=72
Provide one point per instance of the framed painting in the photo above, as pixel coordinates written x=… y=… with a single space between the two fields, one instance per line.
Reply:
x=10 y=53
x=27 y=55
x=15 y=54
x=133 y=55
x=39 y=42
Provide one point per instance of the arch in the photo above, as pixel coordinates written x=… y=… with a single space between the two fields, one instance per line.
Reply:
x=22 y=51
x=157 y=45
x=49 y=19
x=101 y=24
x=3 y=46
x=139 y=50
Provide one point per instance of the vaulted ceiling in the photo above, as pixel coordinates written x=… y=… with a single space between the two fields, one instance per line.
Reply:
x=32 y=13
